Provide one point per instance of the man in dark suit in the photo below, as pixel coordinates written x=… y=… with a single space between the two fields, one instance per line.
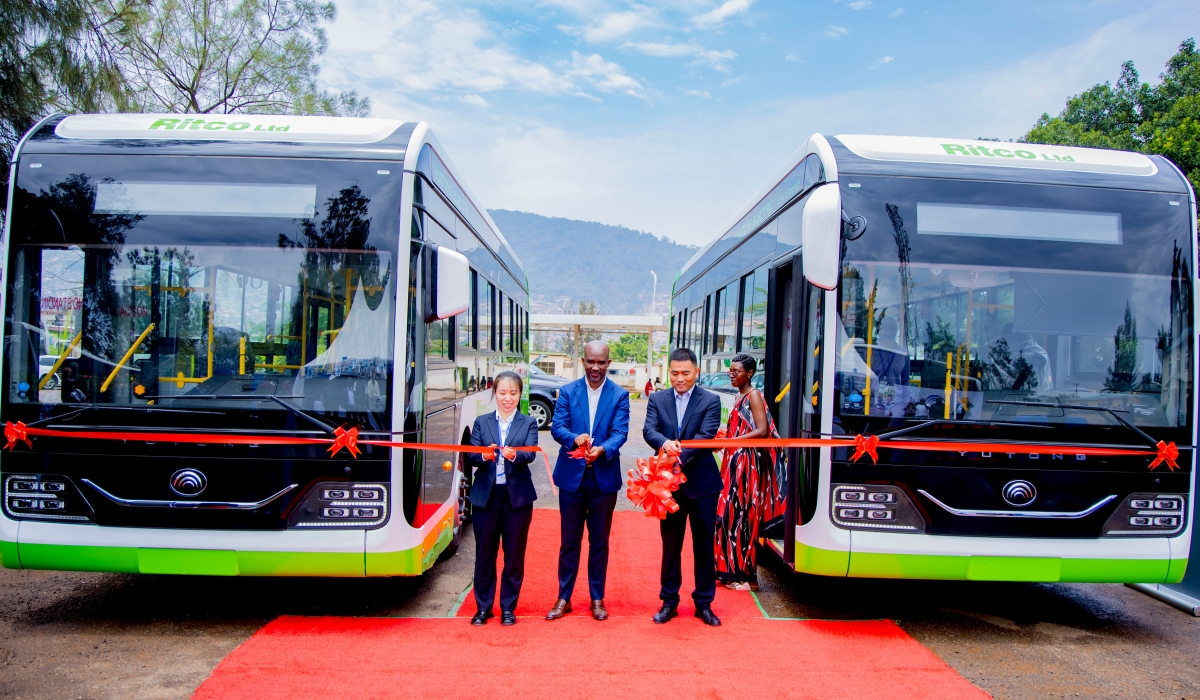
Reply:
x=687 y=412
x=590 y=411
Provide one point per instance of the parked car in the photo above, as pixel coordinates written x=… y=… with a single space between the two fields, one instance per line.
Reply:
x=543 y=395
x=45 y=364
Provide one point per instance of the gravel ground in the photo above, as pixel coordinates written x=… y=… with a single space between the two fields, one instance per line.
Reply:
x=81 y=635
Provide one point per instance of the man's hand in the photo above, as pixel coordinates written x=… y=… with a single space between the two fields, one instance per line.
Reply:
x=510 y=453
x=594 y=454
x=582 y=440
x=672 y=447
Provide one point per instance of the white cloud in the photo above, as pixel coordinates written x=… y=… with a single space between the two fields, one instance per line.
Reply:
x=860 y=5
x=604 y=75
x=698 y=93
x=793 y=58
x=717 y=60
x=881 y=62
x=896 y=12
x=835 y=32
x=614 y=25
x=719 y=14
x=475 y=100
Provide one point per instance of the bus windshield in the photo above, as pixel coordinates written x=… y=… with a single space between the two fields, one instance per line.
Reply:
x=1014 y=303
x=151 y=281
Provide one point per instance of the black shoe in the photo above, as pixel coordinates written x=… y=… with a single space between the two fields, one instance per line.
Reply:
x=509 y=618
x=708 y=617
x=482 y=617
x=665 y=613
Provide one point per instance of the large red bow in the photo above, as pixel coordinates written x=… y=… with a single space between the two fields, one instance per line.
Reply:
x=1167 y=452
x=866 y=445
x=13 y=433
x=345 y=438
x=652 y=483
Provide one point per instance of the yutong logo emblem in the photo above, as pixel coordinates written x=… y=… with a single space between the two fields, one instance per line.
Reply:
x=1019 y=493
x=188 y=482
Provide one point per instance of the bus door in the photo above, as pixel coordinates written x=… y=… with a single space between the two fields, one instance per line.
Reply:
x=782 y=338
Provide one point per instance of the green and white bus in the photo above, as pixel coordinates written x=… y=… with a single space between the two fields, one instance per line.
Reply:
x=951 y=290
x=244 y=275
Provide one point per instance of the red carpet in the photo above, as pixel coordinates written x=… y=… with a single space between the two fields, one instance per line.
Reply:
x=625 y=657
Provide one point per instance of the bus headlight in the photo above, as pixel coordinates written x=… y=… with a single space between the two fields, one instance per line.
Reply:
x=44 y=497
x=872 y=507
x=1148 y=515
x=338 y=504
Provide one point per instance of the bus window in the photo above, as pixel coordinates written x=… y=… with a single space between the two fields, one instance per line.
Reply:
x=483 y=306
x=726 y=319
x=466 y=320
x=754 y=310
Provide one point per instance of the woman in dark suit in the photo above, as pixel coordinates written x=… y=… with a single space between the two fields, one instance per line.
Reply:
x=502 y=497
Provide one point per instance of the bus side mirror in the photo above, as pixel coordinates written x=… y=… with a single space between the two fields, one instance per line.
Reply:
x=449 y=284
x=821 y=236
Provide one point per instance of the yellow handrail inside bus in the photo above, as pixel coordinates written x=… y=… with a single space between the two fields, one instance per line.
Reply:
x=947 y=401
x=242 y=355
x=786 y=388
x=870 y=328
x=128 y=354
x=60 y=360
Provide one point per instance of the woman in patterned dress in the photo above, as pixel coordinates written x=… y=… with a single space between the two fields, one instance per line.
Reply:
x=754 y=491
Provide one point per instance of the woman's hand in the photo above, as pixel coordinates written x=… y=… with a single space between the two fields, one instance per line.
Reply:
x=510 y=453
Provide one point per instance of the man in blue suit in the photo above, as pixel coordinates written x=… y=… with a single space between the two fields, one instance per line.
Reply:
x=687 y=412
x=590 y=411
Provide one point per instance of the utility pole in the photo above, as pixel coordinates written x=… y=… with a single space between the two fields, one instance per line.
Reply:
x=650 y=330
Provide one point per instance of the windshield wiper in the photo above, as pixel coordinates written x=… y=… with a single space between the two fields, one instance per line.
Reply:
x=1110 y=411
x=325 y=427
x=951 y=421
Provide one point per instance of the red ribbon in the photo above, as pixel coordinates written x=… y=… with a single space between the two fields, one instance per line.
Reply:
x=653 y=482
x=866 y=446
x=13 y=433
x=347 y=439
x=581 y=452
x=1167 y=452
x=869 y=444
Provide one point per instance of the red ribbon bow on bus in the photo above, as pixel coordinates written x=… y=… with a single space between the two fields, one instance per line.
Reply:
x=1167 y=452
x=347 y=439
x=652 y=483
x=13 y=433
x=866 y=445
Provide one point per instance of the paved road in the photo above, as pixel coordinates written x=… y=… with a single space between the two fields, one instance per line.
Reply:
x=81 y=635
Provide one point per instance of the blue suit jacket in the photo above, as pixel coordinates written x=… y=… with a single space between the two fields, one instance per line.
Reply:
x=610 y=431
x=700 y=422
x=486 y=431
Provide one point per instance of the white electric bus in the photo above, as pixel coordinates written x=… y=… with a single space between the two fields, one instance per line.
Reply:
x=943 y=289
x=271 y=276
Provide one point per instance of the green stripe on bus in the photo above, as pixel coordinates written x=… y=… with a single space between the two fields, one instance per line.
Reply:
x=204 y=562
x=1176 y=570
x=8 y=555
x=987 y=568
x=406 y=562
x=823 y=562
x=826 y=562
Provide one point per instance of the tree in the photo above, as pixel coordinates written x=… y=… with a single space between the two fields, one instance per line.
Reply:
x=53 y=54
x=226 y=56
x=630 y=347
x=1136 y=116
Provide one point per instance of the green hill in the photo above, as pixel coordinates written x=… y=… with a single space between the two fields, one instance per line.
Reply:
x=569 y=261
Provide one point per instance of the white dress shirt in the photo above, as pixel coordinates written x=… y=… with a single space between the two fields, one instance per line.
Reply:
x=593 y=405
x=681 y=404
x=505 y=424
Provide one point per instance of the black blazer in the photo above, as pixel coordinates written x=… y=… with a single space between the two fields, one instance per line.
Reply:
x=486 y=431
x=700 y=422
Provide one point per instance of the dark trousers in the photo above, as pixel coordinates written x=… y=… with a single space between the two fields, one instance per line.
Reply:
x=702 y=513
x=595 y=509
x=497 y=522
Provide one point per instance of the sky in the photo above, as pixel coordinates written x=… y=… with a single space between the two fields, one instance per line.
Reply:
x=667 y=116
